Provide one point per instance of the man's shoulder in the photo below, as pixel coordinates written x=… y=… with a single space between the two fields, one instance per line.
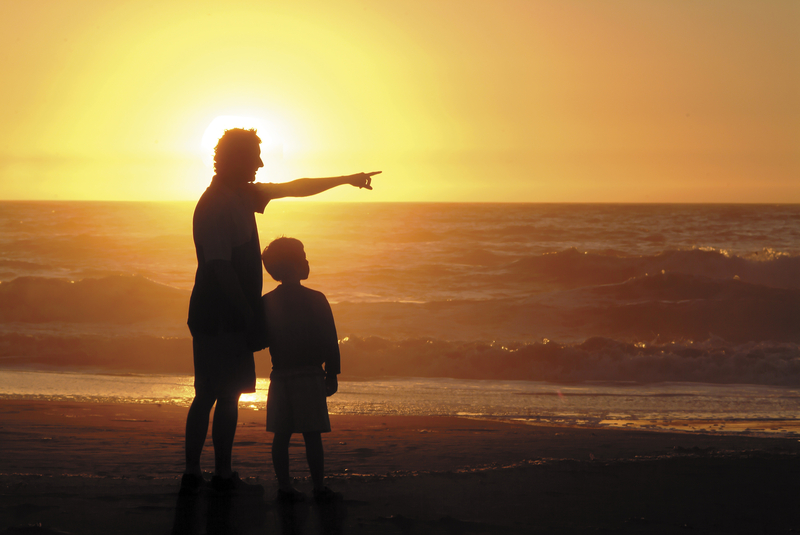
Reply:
x=214 y=199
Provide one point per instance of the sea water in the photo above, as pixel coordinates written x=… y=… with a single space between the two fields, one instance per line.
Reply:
x=532 y=311
x=762 y=409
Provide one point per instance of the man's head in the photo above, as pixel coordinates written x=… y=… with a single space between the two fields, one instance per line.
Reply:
x=285 y=260
x=237 y=155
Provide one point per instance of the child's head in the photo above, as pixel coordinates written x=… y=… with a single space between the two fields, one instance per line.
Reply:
x=285 y=260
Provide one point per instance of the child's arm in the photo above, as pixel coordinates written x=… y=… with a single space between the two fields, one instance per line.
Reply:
x=330 y=339
x=331 y=385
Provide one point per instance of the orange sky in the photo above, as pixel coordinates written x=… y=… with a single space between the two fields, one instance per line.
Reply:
x=537 y=101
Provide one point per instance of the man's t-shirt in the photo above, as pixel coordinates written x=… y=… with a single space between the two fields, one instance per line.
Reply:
x=224 y=228
x=300 y=329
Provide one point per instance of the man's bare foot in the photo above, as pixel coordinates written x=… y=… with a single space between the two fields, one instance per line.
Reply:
x=326 y=495
x=192 y=484
x=290 y=495
x=234 y=485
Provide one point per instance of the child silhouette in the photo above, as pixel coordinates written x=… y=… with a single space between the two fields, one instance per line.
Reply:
x=302 y=339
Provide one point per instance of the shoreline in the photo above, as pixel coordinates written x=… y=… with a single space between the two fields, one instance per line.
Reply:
x=399 y=474
x=753 y=427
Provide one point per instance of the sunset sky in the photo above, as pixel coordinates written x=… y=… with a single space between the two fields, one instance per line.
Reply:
x=535 y=101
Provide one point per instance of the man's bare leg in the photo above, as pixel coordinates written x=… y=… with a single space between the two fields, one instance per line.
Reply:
x=196 y=431
x=226 y=416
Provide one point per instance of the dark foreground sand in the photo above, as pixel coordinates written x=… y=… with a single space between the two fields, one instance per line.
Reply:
x=89 y=468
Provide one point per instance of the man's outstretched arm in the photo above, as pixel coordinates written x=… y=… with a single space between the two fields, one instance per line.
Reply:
x=305 y=187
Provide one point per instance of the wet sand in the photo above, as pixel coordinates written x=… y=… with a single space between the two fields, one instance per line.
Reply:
x=91 y=468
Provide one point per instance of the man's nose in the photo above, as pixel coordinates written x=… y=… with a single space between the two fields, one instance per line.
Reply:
x=260 y=162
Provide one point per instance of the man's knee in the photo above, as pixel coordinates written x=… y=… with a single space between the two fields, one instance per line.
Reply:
x=227 y=412
x=203 y=401
x=231 y=402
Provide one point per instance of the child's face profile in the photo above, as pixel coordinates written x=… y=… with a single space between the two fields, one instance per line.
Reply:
x=302 y=267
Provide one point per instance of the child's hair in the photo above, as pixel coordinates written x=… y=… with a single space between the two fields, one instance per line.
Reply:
x=283 y=257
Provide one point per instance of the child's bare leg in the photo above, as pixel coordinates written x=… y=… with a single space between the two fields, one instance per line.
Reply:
x=316 y=459
x=280 y=460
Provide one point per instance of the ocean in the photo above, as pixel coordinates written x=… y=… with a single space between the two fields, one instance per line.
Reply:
x=595 y=313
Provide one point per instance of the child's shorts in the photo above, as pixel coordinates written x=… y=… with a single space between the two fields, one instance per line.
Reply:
x=296 y=402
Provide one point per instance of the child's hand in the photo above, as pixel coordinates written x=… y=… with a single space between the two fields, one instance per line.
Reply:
x=331 y=385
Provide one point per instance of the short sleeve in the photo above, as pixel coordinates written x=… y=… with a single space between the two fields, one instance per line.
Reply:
x=261 y=194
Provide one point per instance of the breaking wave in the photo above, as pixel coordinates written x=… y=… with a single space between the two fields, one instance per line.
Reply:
x=113 y=299
x=596 y=359
x=572 y=268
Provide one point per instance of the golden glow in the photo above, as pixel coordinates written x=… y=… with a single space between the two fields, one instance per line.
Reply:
x=257 y=398
x=520 y=100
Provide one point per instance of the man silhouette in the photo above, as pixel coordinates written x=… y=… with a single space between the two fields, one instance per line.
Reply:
x=224 y=308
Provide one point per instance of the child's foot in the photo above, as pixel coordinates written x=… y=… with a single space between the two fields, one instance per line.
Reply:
x=290 y=495
x=234 y=485
x=326 y=495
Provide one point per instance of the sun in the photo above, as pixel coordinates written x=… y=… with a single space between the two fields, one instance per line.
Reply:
x=225 y=122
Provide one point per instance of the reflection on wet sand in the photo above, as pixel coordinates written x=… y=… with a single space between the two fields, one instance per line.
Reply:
x=778 y=426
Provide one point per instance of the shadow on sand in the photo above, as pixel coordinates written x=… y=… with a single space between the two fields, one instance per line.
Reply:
x=215 y=514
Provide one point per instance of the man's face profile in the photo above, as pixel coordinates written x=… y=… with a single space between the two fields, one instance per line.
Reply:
x=245 y=165
x=237 y=156
x=252 y=162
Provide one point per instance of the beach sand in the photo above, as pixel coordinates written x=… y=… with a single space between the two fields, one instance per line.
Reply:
x=85 y=468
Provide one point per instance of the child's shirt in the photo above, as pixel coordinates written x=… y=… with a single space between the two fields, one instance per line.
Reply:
x=300 y=329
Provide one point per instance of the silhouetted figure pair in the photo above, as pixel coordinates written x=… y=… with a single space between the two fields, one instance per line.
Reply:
x=225 y=313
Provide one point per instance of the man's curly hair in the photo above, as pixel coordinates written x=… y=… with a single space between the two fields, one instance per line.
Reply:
x=231 y=146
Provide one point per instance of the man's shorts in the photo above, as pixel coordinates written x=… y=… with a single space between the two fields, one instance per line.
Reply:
x=296 y=402
x=223 y=365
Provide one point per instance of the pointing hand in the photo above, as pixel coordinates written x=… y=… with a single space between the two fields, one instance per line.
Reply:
x=363 y=180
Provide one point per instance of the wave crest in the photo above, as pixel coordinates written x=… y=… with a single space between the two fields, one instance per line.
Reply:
x=596 y=359
x=571 y=268
x=113 y=299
